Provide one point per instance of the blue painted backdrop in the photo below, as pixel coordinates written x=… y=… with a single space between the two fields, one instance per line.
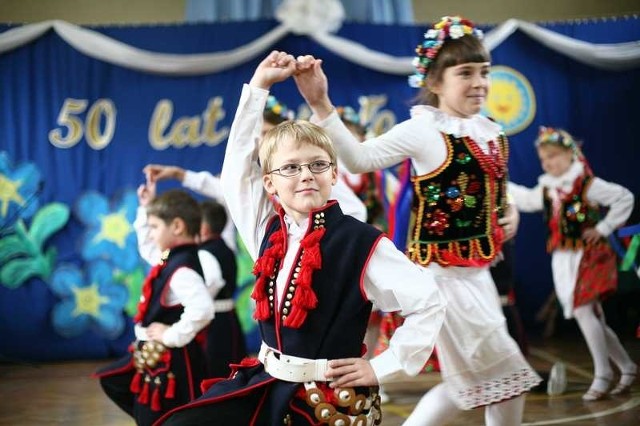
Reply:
x=75 y=133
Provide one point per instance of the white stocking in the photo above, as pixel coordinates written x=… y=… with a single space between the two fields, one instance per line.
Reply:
x=435 y=408
x=593 y=332
x=507 y=413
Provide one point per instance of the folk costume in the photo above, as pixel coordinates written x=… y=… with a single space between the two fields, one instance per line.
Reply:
x=570 y=203
x=459 y=178
x=222 y=339
x=583 y=273
x=157 y=376
x=316 y=282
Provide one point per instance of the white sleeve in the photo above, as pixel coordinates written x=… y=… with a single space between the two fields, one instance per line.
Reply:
x=203 y=183
x=212 y=272
x=187 y=288
x=394 y=283
x=617 y=198
x=241 y=176
x=527 y=200
x=147 y=249
x=414 y=138
x=349 y=202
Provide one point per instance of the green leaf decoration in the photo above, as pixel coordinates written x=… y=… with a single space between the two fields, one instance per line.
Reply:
x=17 y=271
x=47 y=221
x=12 y=246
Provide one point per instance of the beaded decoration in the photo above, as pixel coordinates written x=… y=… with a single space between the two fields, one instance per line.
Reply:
x=448 y=28
x=277 y=108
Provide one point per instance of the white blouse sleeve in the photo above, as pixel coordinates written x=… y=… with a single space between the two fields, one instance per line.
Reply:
x=212 y=272
x=394 y=283
x=617 y=198
x=203 y=183
x=414 y=138
x=527 y=200
x=148 y=250
x=349 y=202
x=241 y=176
x=188 y=289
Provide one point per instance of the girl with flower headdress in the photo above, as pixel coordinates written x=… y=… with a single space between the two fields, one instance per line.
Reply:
x=459 y=216
x=582 y=262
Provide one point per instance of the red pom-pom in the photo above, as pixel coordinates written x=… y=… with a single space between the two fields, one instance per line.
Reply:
x=170 y=393
x=155 y=399
x=135 y=383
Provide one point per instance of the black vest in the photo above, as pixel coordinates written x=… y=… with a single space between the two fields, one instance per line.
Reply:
x=181 y=256
x=336 y=327
x=227 y=260
x=456 y=207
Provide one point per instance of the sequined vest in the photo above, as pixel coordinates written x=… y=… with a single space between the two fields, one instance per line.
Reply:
x=227 y=260
x=336 y=327
x=181 y=256
x=574 y=216
x=456 y=207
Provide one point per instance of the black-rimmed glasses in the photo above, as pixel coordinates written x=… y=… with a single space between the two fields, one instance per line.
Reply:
x=292 y=170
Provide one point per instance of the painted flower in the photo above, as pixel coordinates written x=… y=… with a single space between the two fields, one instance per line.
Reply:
x=88 y=302
x=109 y=231
x=19 y=190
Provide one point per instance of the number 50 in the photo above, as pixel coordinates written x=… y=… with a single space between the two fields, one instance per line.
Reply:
x=97 y=137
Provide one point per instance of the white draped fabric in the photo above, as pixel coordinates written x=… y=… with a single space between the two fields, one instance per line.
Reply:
x=301 y=17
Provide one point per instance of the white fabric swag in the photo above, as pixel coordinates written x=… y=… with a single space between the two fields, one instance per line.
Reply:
x=316 y=20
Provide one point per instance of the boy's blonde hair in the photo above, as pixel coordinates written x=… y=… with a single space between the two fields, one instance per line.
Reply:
x=300 y=131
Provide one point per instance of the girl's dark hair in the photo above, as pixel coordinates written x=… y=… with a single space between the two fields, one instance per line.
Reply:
x=273 y=118
x=174 y=204
x=214 y=215
x=453 y=52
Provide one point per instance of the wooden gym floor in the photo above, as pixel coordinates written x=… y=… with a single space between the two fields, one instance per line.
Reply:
x=64 y=394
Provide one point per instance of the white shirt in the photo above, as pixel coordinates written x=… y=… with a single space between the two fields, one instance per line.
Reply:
x=417 y=298
x=186 y=288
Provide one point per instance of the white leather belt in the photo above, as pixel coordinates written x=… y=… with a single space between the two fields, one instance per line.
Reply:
x=223 y=305
x=292 y=368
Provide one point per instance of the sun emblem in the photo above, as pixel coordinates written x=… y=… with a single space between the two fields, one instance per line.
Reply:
x=511 y=101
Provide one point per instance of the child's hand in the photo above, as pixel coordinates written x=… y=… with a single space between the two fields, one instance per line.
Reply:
x=276 y=67
x=349 y=372
x=313 y=85
x=157 y=172
x=591 y=235
x=156 y=330
x=510 y=222
x=146 y=193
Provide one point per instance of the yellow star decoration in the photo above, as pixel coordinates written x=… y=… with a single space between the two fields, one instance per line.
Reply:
x=88 y=300
x=115 y=228
x=8 y=193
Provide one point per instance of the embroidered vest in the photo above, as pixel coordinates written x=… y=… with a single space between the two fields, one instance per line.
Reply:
x=157 y=311
x=227 y=259
x=335 y=327
x=575 y=214
x=456 y=207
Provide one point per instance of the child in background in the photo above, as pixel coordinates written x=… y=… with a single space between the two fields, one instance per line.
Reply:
x=582 y=262
x=166 y=364
x=224 y=338
x=318 y=272
x=459 y=160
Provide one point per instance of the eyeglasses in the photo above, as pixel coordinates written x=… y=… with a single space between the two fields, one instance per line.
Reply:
x=291 y=170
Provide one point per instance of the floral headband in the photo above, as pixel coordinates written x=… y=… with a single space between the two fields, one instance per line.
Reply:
x=278 y=109
x=449 y=28
x=559 y=137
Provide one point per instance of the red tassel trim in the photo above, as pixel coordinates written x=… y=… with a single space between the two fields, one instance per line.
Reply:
x=170 y=393
x=305 y=298
x=263 y=269
x=135 y=383
x=155 y=397
x=144 y=395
